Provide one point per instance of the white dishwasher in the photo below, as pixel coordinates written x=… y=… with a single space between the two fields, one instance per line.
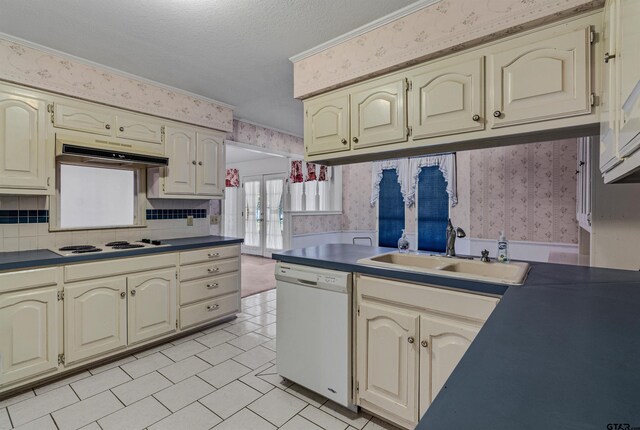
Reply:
x=313 y=323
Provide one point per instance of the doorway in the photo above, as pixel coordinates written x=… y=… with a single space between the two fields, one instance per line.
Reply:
x=263 y=213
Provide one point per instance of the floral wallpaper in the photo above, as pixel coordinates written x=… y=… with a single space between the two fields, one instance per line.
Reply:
x=437 y=29
x=527 y=191
x=358 y=215
x=28 y=66
x=267 y=138
x=306 y=224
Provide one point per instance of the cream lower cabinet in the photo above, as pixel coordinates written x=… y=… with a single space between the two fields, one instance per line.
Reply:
x=152 y=305
x=409 y=338
x=28 y=333
x=209 y=285
x=95 y=318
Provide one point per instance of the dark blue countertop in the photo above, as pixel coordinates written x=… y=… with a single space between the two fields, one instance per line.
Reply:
x=561 y=351
x=43 y=257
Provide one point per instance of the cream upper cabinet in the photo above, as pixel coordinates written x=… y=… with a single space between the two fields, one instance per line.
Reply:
x=609 y=94
x=95 y=318
x=136 y=127
x=180 y=175
x=196 y=166
x=210 y=172
x=28 y=333
x=443 y=342
x=152 y=305
x=387 y=364
x=83 y=117
x=448 y=99
x=326 y=125
x=25 y=159
x=541 y=80
x=379 y=113
x=628 y=57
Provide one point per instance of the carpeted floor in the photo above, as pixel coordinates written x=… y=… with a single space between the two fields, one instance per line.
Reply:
x=258 y=274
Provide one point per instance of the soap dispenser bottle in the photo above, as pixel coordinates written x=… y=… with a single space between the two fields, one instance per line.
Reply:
x=403 y=243
x=503 y=249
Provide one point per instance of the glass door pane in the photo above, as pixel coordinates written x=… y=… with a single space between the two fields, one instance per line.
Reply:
x=253 y=214
x=274 y=221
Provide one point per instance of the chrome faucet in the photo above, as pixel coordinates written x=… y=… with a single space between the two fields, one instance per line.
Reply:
x=452 y=233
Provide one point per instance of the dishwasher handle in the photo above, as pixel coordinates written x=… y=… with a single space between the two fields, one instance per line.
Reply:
x=306 y=282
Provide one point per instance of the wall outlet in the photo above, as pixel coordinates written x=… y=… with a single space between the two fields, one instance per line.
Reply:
x=190 y=221
x=214 y=219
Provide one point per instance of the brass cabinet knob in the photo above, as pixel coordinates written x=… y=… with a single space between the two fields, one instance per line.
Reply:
x=122 y=294
x=193 y=162
x=121 y=129
x=476 y=118
x=133 y=292
x=343 y=141
x=355 y=139
x=107 y=126
x=424 y=343
x=199 y=163
x=608 y=57
x=497 y=114
x=410 y=339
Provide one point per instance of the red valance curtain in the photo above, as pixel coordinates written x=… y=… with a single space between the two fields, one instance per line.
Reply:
x=296 y=175
x=324 y=174
x=311 y=172
x=233 y=178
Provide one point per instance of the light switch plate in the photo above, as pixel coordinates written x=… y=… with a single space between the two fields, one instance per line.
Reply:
x=190 y=221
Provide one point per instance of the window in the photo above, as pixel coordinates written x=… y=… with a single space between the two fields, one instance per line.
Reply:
x=390 y=210
x=231 y=212
x=92 y=196
x=315 y=195
x=432 y=209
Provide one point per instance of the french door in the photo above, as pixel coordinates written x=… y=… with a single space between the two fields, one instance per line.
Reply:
x=263 y=214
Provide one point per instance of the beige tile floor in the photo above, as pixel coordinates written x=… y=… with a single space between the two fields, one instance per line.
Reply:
x=224 y=378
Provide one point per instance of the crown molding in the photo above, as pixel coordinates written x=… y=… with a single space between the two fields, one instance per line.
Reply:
x=400 y=13
x=90 y=63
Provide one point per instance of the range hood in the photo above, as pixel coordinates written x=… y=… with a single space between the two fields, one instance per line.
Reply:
x=76 y=150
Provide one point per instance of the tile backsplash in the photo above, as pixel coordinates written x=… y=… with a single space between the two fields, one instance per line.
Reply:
x=24 y=224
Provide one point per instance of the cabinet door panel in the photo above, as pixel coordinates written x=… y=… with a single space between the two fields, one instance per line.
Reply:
x=444 y=101
x=83 y=118
x=139 y=128
x=95 y=316
x=543 y=80
x=327 y=125
x=608 y=102
x=387 y=362
x=448 y=339
x=629 y=75
x=28 y=334
x=151 y=305
x=378 y=115
x=23 y=142
x=210 y=165
x=180 y=175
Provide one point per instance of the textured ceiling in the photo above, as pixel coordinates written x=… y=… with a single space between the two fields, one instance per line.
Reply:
x=234 y=51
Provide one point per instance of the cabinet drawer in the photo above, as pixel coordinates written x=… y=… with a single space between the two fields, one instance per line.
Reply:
x=29 y=279
x=102 y=269
x=209 y=310
x=206 y=270
x=471 y=306
x=208 y=288
x=83 y=118
x=209 y=254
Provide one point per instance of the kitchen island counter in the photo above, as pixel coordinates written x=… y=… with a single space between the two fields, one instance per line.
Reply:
x=560 y=351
